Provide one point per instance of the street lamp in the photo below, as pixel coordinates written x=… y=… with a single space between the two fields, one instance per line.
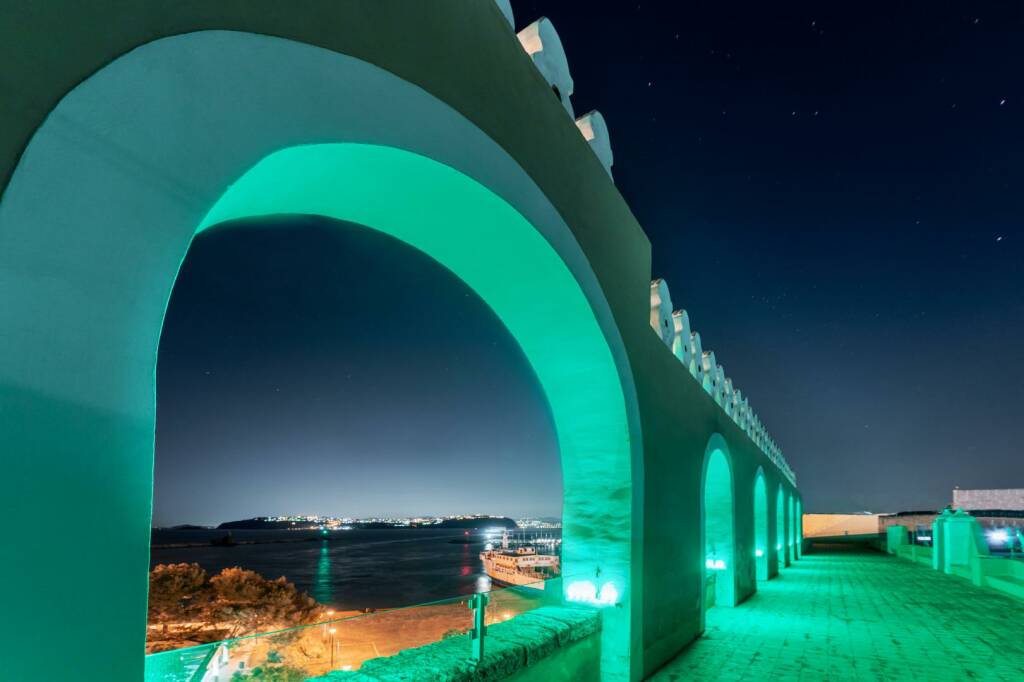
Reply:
x=323 y=629
x=332 y=631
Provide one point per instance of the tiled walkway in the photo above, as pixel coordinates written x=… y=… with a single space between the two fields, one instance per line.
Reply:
x=859 y=616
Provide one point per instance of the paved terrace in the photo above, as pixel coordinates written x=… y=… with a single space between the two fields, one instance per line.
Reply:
x=859 y=615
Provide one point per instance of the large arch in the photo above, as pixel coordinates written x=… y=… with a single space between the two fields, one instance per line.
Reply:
x=780 y=528
x=718 y=524
x=185 y=133
x=762 y=544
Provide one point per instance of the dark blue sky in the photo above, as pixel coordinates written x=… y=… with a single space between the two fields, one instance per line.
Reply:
x=833 y=192
x=310 y=366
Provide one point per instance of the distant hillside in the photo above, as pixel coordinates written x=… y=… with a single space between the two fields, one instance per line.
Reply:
x=488 y=522
x=263 y=524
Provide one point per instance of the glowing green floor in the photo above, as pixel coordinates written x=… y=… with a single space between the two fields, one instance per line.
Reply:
x=859 y=616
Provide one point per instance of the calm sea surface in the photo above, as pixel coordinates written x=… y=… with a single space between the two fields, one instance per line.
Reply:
x=353 y=569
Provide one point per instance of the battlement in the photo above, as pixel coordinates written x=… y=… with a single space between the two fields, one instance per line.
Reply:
x=673 y=328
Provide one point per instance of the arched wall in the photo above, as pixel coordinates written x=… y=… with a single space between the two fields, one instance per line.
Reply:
x=448 y=81
x=678 y=419
x=97 y=218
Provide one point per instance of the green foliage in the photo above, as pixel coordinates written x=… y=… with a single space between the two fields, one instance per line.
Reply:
x=173 y=589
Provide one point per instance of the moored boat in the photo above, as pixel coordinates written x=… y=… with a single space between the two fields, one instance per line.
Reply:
x=521 y=565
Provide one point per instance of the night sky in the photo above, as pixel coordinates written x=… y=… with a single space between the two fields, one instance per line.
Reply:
x=834 y=192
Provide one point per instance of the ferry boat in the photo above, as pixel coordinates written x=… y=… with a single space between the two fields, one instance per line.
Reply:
x=521 y=565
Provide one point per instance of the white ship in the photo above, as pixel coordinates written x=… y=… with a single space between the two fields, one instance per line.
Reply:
x=520 y=565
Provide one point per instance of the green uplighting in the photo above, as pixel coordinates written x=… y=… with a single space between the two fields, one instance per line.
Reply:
x=760 y=526
x=780 y=526
x=719 y=524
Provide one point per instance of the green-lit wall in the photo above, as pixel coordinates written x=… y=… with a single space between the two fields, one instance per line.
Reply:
x=465 y=55
x=679 y=418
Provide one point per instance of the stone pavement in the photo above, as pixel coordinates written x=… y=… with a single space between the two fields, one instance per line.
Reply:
x=859 y=615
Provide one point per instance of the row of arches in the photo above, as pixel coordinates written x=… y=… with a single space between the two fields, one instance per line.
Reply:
x=727 y=538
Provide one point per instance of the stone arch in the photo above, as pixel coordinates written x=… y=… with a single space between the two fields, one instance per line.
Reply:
x=97 y=218
x=780 y=528
x=762 y=543
x=718 y=525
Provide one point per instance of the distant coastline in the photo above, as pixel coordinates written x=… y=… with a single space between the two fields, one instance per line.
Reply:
x=268 y=524
x=263 y=523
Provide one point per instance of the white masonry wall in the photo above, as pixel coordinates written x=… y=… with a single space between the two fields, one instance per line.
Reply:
x=1004 y=498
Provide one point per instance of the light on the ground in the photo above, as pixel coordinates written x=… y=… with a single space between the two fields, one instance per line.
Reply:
x=609 y=595
x=585 y=592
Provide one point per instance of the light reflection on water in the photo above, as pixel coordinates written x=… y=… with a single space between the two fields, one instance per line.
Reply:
x=322 y=590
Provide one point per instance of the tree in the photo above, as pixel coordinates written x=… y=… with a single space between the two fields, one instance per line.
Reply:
x=196 y=608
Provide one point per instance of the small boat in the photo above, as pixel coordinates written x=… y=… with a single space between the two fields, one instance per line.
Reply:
x=521 y=565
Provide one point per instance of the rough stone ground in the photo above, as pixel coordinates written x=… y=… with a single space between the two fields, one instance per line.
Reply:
x=859 y=615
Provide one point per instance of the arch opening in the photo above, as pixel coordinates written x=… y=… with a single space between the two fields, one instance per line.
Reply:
x=791 y=531
x=339 y=386
x=719 y=526
x=799 y=529
x=761 y=540
x=780 y=527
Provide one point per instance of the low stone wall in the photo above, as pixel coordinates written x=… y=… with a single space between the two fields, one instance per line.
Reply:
x=1003 y=574
x=552 y=642
x=919 y=553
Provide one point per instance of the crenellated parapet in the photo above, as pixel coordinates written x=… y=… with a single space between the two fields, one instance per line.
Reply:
x=661 y=312
x=595 y=132
x=673 y=328
x=540 y=40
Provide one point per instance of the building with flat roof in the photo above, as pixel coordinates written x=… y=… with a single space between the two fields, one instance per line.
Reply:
x=1010 y=499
